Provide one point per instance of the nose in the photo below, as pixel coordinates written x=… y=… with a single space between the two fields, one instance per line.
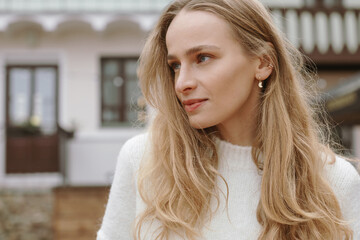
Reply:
x=185 y=81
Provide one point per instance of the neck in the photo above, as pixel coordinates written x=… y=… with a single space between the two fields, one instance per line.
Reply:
x=243 y=136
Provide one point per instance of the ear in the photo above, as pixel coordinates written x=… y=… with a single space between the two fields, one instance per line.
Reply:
x=264 y=68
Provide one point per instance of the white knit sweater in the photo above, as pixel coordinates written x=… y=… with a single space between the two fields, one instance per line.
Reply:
x=237 y=167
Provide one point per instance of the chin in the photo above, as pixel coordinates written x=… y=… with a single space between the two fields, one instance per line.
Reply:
x=200 y=124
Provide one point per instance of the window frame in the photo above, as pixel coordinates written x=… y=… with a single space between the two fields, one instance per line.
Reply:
x=122 y=107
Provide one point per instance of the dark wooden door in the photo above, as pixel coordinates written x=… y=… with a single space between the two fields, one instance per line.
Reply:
x=32 y=139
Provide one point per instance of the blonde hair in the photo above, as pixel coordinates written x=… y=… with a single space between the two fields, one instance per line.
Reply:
x=178 y=179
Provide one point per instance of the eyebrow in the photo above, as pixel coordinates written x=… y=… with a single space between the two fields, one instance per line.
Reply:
x=196 y=49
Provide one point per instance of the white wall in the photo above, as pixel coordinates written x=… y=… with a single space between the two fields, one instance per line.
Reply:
x=92 y=156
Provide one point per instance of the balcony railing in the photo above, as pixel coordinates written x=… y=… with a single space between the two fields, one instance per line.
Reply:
x=329 y=36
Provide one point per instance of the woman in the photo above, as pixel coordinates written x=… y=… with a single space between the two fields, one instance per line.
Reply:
x=233 y=151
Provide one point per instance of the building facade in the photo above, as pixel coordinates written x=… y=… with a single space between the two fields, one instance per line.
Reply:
x=68 y=89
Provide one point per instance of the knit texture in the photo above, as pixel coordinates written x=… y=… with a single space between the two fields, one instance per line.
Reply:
x=237 y=167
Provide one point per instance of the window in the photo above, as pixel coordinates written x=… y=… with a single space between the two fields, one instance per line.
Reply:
x=121 y=99
x=32 y=98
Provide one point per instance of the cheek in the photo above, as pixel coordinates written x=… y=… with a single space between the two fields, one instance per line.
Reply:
x=233 y=92
x=234 y=84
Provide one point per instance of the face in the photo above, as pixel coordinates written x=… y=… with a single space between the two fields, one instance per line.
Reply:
x=214 y=78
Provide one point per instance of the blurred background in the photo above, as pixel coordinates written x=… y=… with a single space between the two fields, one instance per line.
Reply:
x=69 y=99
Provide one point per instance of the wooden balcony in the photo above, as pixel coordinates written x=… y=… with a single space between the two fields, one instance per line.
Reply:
x=330 y=36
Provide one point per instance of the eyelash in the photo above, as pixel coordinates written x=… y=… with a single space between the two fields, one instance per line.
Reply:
x=175 y=66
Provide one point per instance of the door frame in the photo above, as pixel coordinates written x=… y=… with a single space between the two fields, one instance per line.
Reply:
x=7 y=68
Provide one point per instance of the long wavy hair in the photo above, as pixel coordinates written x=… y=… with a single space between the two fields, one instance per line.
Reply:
x=177 y=179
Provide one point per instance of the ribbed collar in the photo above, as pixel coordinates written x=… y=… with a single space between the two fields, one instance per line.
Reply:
x=234 y=157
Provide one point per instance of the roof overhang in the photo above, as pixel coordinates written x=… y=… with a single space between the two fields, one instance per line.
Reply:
x=98 y=21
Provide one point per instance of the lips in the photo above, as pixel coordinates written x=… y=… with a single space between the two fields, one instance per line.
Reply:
x=192 y=104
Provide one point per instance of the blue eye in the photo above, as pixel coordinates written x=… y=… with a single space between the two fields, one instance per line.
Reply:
x=203 y=58
x=175 y=66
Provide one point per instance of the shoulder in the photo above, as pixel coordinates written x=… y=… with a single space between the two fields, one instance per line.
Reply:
x=134 y=148
x=342 y=176
x=345 y=182
x=136 y=144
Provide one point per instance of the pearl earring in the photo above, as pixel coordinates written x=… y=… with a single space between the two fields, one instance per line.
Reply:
x=260 y=82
